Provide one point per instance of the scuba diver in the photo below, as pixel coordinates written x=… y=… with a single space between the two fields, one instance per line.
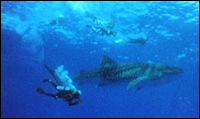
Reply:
x=66 y=90
x=101 y=23
x=55 y=22
x=101 y=31
x=101 y=27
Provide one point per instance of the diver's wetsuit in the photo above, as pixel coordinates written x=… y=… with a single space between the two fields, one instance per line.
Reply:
x=101 y=31
x=67 y=95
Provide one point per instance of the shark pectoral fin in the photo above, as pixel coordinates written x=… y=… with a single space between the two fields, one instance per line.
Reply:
x=134 y=82
x=102 y=83
x=139 y=88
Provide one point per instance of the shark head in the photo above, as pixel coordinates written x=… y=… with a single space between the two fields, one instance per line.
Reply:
x=172 y=70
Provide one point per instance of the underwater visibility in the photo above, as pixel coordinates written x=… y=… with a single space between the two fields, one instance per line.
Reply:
x=99 y=59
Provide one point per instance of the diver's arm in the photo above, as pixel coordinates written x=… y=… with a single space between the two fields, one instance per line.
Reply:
x=41 y=91
x=49 y=81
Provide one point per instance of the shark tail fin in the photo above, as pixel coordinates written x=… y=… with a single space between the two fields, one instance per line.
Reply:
x=135 y=81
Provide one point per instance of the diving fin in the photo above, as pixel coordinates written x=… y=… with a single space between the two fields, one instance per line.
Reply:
x=134 y=82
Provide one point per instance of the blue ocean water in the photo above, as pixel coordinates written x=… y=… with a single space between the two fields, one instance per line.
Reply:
x=55 y=33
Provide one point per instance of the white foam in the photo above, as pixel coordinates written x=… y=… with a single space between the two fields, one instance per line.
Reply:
x=63 y=77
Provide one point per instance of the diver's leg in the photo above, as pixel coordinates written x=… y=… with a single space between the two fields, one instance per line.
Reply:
x=46 y=80
x=52 y=95
x=88 y=26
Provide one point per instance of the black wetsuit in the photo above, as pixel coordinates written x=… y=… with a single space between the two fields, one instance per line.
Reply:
x=66 y=95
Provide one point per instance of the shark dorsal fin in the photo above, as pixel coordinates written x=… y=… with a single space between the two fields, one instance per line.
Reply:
x=106 y=60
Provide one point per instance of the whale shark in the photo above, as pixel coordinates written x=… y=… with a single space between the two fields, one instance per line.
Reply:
x=135 y=73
